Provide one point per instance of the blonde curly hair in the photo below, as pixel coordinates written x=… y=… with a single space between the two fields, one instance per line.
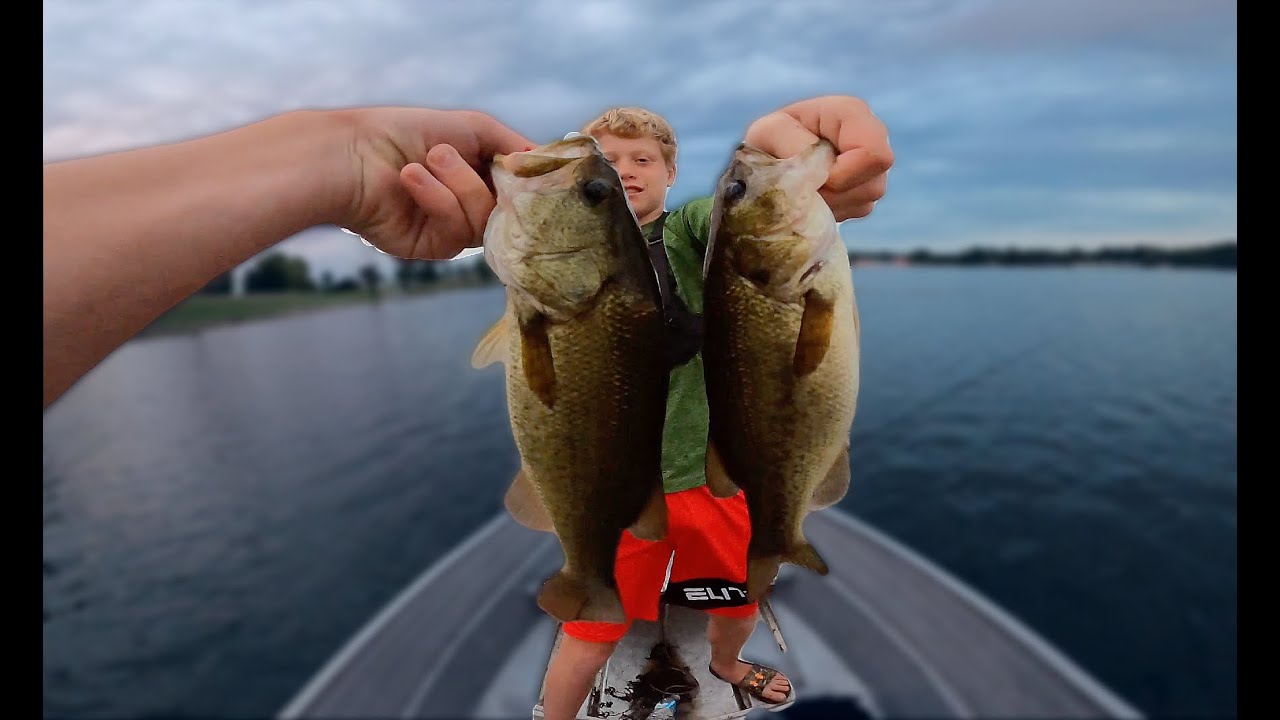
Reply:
x=635 y=122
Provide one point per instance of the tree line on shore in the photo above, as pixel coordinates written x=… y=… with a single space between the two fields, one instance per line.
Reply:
x=280 y=272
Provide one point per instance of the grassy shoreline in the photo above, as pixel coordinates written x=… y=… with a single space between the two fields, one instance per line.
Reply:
x=204 y=311
x=200 y=312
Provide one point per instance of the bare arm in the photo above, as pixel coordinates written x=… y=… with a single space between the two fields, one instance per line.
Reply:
x=129 y=235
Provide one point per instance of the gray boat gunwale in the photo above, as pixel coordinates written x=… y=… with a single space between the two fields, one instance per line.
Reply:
x=1051 y=656
x=374 y=626
x=1054 y=663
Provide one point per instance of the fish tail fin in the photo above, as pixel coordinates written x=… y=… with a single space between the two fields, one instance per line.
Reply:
x=562 y=597
x=603 y=605
x=761 y=571
x=807 y=556
x=760 y=574
x=568 y=598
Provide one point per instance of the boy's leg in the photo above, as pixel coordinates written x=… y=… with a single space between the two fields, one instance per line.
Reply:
x=571 y=674
x=728 y=634
x=711 y=569
x=639 y=570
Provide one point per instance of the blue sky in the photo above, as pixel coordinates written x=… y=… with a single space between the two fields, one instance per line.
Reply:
x=1015 y=122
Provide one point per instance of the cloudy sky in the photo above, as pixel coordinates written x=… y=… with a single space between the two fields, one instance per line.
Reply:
x=1015 y=122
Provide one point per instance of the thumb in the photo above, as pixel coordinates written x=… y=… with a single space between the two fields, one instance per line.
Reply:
x=782 y=136
x=494 y=138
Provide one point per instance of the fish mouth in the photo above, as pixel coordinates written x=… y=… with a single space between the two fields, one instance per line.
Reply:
x=544 y=254
x=546 y=159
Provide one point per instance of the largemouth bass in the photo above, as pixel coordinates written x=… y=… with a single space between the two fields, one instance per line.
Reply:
x=581 y=338
x=780 y=352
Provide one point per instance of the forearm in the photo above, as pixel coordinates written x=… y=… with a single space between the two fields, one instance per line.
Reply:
x=129 y=235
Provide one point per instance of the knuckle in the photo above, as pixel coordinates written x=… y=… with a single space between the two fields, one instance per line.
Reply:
x=853 y=105
x=478 y=119
x=881 y=159
x=874 y=190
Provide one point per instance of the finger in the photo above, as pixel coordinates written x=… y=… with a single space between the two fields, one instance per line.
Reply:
x=860 y=138
x=470 y=191
x=445 y=231
x=851 y=210
x=869 y=191
x=857 y=202
x=858 y=166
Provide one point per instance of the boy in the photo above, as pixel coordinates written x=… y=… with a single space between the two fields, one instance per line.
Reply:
x=707 y=535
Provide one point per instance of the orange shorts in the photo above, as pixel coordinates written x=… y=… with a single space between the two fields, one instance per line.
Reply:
x=709 y=537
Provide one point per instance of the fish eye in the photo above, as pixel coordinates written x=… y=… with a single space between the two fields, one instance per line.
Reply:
x=735 y=191
x=596 y=190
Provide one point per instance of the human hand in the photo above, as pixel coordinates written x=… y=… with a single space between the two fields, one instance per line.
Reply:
x=420 y=185
x=859 y=174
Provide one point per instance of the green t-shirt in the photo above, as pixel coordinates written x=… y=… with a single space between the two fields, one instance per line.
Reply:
x=684 y=436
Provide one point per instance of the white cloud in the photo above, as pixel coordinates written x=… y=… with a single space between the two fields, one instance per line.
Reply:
x=979 y=97
x=1007 y=24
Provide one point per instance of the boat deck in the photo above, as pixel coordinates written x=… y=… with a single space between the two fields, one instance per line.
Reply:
x=886 y=627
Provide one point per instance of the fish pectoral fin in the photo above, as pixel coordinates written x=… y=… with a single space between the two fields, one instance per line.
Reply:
x=652 y=523
x=493 y=346
x=857 y=324
x=718 y=481
x=525 y=504
x=535 y=357
x=815 y=333
x=834 y=486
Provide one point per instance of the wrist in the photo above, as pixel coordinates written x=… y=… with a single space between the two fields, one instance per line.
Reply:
x=322 y=168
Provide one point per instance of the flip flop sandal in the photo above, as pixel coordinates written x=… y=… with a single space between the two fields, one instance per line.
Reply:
x=755 y=682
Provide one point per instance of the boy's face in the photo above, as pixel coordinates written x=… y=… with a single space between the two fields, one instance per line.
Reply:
x=645 y=174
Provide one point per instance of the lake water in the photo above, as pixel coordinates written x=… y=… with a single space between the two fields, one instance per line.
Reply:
x=222 y=510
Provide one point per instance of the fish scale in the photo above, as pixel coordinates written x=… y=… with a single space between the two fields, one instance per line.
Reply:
x=780 y=410
x=589 y=447
x=581 y=339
